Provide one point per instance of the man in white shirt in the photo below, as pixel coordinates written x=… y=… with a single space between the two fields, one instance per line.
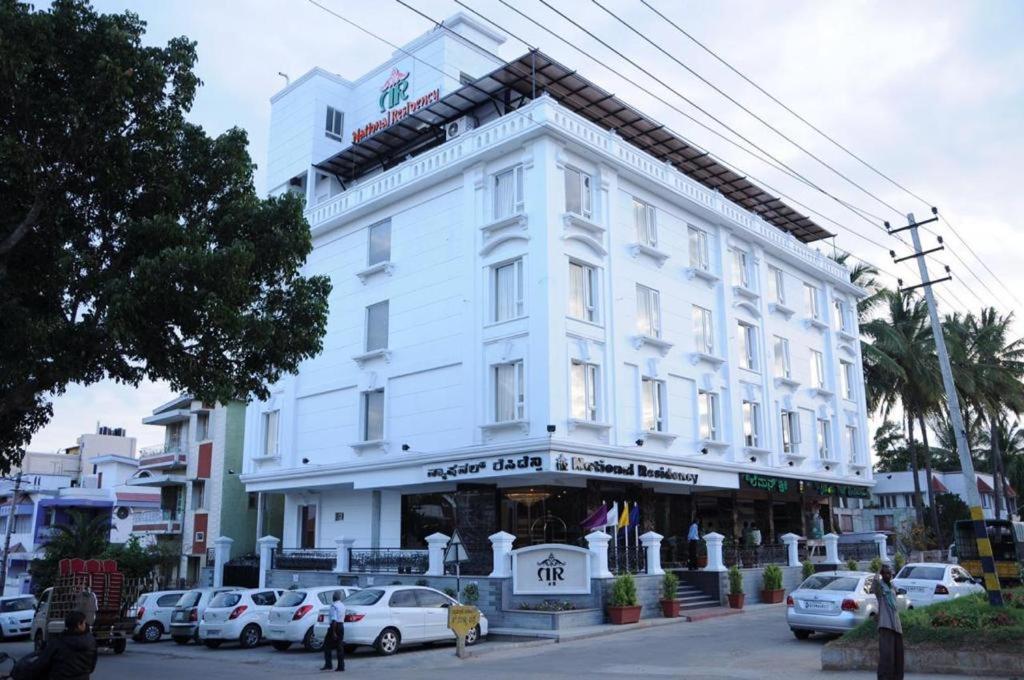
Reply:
x=693 y=539
x=335 y=633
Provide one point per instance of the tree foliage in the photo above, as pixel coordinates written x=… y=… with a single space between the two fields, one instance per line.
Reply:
x=132 y=244
x=85 y=535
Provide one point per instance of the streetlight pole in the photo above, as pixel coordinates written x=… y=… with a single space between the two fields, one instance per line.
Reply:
x=7 y=533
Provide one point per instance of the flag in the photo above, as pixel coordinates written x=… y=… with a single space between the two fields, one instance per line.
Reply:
x=596 y=519
x=624 y=517
x=613 y=515
x=634 y=515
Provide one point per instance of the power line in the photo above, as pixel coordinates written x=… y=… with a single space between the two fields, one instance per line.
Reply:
x=983 y=263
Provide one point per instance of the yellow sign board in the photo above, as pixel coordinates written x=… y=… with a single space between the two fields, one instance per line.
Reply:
x=462 y=619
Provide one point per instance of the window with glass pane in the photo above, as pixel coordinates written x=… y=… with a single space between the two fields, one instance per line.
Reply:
x=740 y=268
x=508 y=291
x=811 y=297
x=817 y=369
x=334 y=123
x=380 y=243
x=851 y=443
x=377 y=326
x=707 y=415
x=584 y=391
x=751 y=423
x=373 y=415
x=776 y=285
x=824 y=437
x=577 y=193
x=653 y=404
x=508 y=192
x=839 y=314
x=703 y=330
x=748 y=346
x=846 y=379
x=699 y=257
x=790 y=431
x=645 y=220
x=783 y=368
x=509 y=397
x=648 y=311
x=270 y=433
x=582 y=292
x=202 y=427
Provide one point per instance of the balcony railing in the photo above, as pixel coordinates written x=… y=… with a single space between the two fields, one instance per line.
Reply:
x=169 y=455
x=388 y=560
x=164 y=521
x=173 y=446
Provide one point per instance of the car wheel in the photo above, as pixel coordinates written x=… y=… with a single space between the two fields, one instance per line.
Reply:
x=250 y=636
x=181 y=639
x=151 y=632
x=119 y=645
x=473 y=636
x=387 y=642
x=37 y=641
x=312 y=643
x=212 y=644
x=280 y=645
x=802 y=634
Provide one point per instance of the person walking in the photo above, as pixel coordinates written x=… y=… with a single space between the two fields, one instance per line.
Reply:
x=692 y=539
x=86 y=603
x=755 y=541
x=71 y=655
x=890 y=631
x=335 y=634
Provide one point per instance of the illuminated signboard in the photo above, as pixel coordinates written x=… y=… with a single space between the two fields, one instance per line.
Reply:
x=395 y=104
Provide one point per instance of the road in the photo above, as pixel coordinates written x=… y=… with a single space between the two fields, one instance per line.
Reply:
x=755 y=644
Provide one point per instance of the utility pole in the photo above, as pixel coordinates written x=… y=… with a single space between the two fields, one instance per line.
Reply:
x=988 y=565
x=7 y=533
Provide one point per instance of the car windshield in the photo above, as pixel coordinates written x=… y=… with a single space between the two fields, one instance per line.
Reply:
x=225 y=600
x=17 y=604
x=190 y=599
x=293 y=598
x=365 y=597
x=821 y=582
x=923 y=573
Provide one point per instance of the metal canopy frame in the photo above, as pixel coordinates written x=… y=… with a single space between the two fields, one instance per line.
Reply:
x=535 y=73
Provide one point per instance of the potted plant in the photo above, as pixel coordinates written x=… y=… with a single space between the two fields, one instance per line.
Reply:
x=852 y=565
x=624 y=605
x=736 y=595
x=808 y=569
x=876 y=565
x=771 y=589
x=669 y=604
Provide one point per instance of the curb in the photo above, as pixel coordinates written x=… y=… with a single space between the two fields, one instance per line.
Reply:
x=703 y=616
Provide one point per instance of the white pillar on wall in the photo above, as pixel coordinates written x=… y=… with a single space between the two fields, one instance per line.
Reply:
x=792 y=542
x=343 y=545
x=501 y=546
x=714 y=543
x=880 y=542
x=831 y=548
x=222 y=550
x=435 y=553
x=597 y=541
x=267 y=545
x=651 y=541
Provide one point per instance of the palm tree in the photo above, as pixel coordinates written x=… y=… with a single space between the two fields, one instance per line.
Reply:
x=84 y=536
x=865 y=276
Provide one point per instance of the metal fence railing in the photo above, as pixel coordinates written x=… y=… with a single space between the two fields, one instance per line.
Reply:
x=622 y=559
x=305 y=559
x=861 y=552
x=388 y=560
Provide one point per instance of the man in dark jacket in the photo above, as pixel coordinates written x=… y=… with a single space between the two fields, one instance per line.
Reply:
x=71 y=655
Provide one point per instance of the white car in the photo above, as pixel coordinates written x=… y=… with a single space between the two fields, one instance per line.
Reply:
x=153 y=614
x=387 y=617
x=929 y=582
x=834 y=602
x=238 y=615
x=292 y=618
x=188 y=612
x=16 y=613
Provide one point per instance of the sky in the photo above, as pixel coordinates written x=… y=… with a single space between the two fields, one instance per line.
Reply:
x=928 y=93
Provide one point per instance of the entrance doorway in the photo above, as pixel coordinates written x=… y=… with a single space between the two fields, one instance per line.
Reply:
x=307 y=526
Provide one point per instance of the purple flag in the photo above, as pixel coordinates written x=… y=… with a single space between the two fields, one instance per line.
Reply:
x=596 y=519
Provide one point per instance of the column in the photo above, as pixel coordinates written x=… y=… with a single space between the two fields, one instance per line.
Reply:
x=880 y=542
x=222 y=550
x=501 y=547
x=792 y=542
x=714 y=543
x=342 y=545
x=831 y=548
x=435 y=553
x=651 y=541
x=597 y=541
x=266 y=545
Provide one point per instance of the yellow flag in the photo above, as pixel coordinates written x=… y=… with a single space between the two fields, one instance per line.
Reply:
x=624 y=517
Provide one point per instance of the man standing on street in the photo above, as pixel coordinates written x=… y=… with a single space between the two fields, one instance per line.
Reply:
x=335 y=634
x=890 y=631
x=692 y=539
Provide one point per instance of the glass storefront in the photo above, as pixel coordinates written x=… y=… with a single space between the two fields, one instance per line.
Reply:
x=424 y=514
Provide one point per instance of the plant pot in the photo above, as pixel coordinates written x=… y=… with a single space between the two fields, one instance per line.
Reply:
x=620 y=615
x=670 y=608
x=736 y=601
x=772 y=596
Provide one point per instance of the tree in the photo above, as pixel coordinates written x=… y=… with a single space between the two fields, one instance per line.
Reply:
x=891 y=453
x=951 y=509
x=86 y=536
x=865 y=276
x=132 y=244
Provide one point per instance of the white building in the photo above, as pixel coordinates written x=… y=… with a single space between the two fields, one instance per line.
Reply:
x=540 y=304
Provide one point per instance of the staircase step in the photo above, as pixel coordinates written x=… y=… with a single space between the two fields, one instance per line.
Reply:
x=706 y=604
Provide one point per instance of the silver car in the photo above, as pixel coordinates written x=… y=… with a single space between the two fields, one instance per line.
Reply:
x=834 y=602
x=189 y=611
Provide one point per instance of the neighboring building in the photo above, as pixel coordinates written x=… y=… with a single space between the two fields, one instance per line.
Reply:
x=541 y=304
x=196 y=471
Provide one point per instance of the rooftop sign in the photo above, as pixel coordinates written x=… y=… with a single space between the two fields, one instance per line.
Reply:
x=393 y=92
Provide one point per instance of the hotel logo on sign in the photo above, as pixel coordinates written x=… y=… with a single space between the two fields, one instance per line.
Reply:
x=393 y=92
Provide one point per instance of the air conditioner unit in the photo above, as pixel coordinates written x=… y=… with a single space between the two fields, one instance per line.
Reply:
x=459 y=126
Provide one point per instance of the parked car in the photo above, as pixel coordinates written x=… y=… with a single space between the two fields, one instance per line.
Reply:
x=390 y=616
x=16 y=613
x=293 y=617
x=188 y=612
x=834 y=602
x=153 y=614
x=238 y=615
x=929 y=582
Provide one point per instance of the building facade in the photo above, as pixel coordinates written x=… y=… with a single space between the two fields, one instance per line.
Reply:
x=533 y=314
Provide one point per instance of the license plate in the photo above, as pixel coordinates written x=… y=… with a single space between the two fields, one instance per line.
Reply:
x=213 y=632
x=818 y=606
x=917 y=589
x=275 y=631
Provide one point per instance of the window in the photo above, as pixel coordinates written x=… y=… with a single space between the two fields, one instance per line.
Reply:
x=790 y=431
x=811 y=297
x=377 y=326
x=334 y=123
x=703 y=330
x=270 y=433
x=884 y=523
x=776 y=285
x=824 y=439
x=699 y=258
x=508 y=192
x=986 y=501
x=653 y=404
x=198 y=494
x=839 y=314
x=403 y=598
x=645 y=219
x=584 y=391
x=577 y=193
x=846 y=379
x=851 y=442
x=307 y=528
x=748 y=346
x=582 y=292
x=429 y=599
x=379 y=239
x=509 y=396
x=783 y=368
x=648 y=306
x=817 y=369
x=741 y=268
x=508 y=291
x=846 y=523
x=373 y=415
x=751 y=423
x=707 y=415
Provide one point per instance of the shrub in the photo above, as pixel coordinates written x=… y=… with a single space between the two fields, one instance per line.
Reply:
x=876 y=565
x=1001 y=619
x=945 y=619
x=547 y=606
x=669 y=586
x=735 y=581
x=450 y=592
x=898 y=561
x=471 y=594
x=772 y=577
x=852 y=565
x=422 y=582
x=808 y=569
x=624 y=592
